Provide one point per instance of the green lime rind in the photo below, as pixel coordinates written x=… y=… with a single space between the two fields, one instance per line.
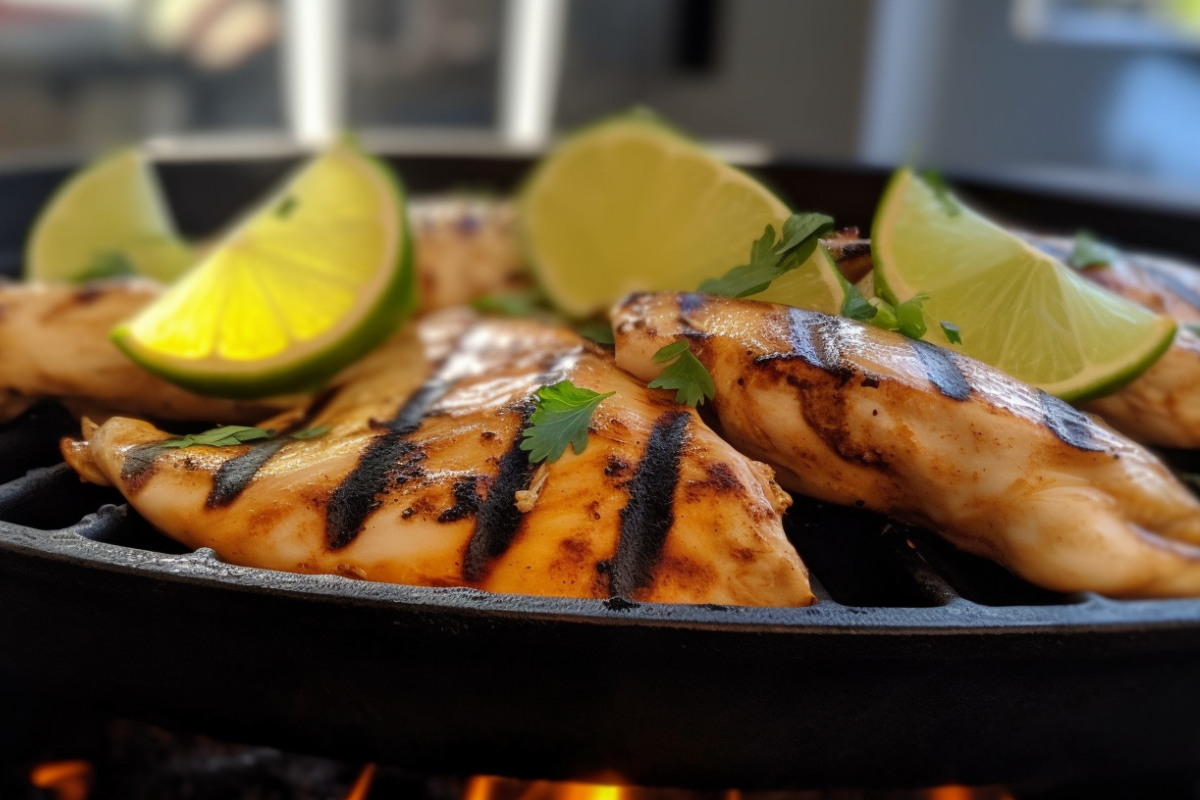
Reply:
x=1145 y=335
x=394 y=304
x=156 y=252
x=550 y=277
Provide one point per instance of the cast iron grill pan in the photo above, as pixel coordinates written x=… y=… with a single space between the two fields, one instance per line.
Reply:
x=920 y=665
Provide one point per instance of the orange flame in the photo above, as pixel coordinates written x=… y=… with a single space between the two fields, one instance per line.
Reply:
x=362 y=786
x=69 y=780
x=485 y=787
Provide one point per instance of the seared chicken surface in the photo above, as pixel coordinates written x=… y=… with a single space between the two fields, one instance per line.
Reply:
x=421 y=480
x=1162 y=405
x=860 y=416
x=54 y=343
x=54 y=338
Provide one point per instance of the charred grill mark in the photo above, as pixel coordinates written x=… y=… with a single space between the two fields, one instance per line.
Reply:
x=648 y=516
x=853 y=257
x=811 y=340
x=235 y=474
x=139 y=464
x=389 y=460
x=941 y=370
x=318 y=404
x=466 y=499
x=498 y=519
x=1071 y=426
x=691 y=302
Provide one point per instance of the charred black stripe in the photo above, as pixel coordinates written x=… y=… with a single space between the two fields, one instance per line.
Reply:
x=812 y=340
x=416 y=408
x=235 y=474
x=389 y=460
x=139 y=462
x=1071 y=426
x=498 y=519
x=691 y=302
x=466 y=500
x=648 y=516
x=941 y=370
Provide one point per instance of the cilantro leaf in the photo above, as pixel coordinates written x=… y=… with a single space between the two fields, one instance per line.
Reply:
x=767 y=261
x=885 y=314
x=910 y=317
x=685 y=374
x=526 y=303
x=941 y=190
x=952 y=331
x=286 y=206
x=224 y=436
x=598 y=330
x=800 y=228
x=564 y=412
x=855 y=306
x=109 y=264
x=311 y=433
x=1090 y=251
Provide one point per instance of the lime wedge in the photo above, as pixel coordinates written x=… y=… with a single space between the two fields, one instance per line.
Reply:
x=109 y=219
x=629 y=204
x=314 y=278
x=1019 y=309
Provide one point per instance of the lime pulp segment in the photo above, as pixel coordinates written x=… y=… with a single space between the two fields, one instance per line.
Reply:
x=1018 y=308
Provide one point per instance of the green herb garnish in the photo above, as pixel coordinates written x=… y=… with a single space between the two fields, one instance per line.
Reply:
x=942 y=191
x=311 y=433
x=111 y=264
x=768 y=261
x=563 y=414
x=525 y=303
x=597 y=330
x=1090 y=251
x=225 y=436
x=952 y=331
x=855 y=306
x=685 y=374
x=286 y=206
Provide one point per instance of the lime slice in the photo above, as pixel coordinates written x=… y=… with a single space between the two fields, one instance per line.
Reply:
x=1019 y=309
x=310 y=281
x=816 y=285
x=107 y=220
x=629 y=204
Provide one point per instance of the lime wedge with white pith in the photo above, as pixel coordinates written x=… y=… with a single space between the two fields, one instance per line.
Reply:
x=314 y=278
x=108 y=220
x=1018 y=309
x=815 y=285
x=627 y=205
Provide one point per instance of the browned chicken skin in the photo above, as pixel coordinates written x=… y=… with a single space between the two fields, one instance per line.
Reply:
x=421 y=480
x=860 y=416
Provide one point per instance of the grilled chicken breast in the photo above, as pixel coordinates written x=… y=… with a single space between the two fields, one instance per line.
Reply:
x=421 y=480
x=860 y=416
x=54 y=338
x=1161 y=406
x=54 y=343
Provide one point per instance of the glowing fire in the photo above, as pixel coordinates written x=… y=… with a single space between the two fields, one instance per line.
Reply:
x=69 y=780
x=362 y=786
x=484 y=787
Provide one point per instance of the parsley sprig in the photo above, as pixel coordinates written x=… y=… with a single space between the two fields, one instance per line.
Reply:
x=907 y=318
x=1090 y=251
x=564 y=412
x=230 y=435
x=769 y=260
x=685 y=374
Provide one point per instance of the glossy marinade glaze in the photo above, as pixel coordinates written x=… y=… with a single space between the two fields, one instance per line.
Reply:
x=860 y=416
x=421 y=480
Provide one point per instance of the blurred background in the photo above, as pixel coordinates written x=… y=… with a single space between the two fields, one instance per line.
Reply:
x=1102 y=95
